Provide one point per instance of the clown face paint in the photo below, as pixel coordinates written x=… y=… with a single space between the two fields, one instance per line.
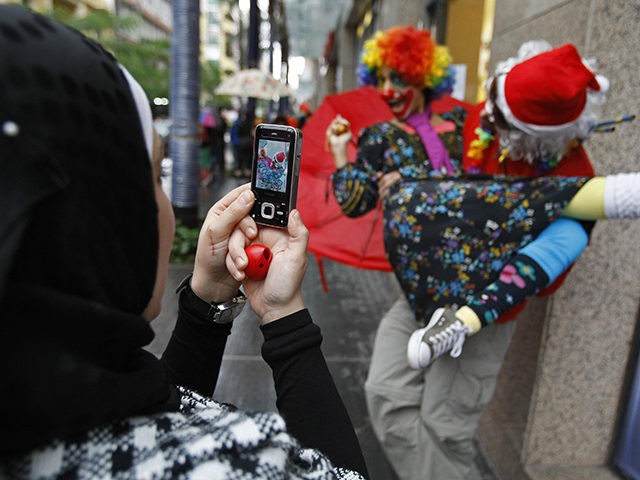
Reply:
x=403 y=99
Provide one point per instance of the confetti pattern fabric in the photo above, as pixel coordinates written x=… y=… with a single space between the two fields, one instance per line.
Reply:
x=447 y=237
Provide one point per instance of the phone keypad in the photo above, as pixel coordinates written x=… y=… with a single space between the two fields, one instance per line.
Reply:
x=273 y=213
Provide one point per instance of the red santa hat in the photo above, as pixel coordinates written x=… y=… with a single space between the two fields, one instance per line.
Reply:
x=547 y=92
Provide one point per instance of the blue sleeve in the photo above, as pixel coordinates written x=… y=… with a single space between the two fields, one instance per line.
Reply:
x=557 y=246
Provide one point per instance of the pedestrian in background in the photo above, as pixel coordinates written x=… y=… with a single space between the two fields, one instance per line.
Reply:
x=216 y=137
x=242 y=140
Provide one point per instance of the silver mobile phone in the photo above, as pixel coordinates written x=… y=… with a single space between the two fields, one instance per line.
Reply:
x=274 y=173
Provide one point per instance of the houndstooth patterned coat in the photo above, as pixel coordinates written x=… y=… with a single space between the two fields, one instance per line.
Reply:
x=203 y=440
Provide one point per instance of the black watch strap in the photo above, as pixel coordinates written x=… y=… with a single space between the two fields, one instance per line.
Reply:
x=215 y=312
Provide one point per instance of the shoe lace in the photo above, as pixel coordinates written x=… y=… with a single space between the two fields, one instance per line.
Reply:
x=451 y=338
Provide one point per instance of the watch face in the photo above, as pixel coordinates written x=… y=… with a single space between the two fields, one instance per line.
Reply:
x=226 y=314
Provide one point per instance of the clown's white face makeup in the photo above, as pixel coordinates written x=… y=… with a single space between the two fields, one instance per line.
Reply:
x=403 y=99
x=166 y=231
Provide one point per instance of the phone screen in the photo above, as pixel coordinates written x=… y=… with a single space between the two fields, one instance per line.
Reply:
x=272 y=165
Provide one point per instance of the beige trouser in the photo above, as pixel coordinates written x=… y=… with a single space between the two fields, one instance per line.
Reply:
x=426 y=420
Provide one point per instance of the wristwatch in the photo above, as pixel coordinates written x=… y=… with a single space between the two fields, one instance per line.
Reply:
x=214 y=312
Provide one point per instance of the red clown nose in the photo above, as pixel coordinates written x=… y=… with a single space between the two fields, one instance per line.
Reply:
x=259 y=260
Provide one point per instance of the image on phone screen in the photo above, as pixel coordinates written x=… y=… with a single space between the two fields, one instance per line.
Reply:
x=272 y=165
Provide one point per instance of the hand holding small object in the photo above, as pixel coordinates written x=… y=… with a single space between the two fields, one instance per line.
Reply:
x=339 y=126
x=277 y=291
x=338 y=135
x=259 y=257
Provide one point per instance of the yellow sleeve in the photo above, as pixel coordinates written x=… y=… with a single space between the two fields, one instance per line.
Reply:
x=588 y=203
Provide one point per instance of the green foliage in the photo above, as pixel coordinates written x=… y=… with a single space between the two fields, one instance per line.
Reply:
x=149 y=61
x=98 y=24
x=210 y=78
x=184 y=245
x=210 y=75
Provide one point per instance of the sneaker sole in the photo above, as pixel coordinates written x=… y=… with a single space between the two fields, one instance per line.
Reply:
x=413 y=347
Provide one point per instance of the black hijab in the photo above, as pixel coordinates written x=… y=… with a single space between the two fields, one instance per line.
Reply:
x=78 y=237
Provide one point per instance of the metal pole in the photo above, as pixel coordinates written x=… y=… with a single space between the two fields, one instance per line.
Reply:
x=254 y=25
x=252 y=51
x=185 y=109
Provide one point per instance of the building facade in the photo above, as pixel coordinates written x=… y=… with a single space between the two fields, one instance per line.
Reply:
x=155 y=16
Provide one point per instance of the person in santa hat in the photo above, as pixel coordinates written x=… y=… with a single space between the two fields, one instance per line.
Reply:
x=448 y=236
x=279 y=161
x=542 y=106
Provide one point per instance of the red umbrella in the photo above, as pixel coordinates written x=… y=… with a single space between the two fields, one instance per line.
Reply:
x=353 y=241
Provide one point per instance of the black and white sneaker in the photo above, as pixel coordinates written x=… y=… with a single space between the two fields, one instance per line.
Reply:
x=444 y=333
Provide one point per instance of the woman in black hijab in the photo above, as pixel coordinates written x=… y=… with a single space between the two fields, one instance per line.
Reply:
x=85 y=236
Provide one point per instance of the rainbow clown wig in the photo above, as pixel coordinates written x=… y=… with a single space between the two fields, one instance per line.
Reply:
x=412 y=54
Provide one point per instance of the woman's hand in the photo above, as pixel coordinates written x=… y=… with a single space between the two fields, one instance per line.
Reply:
x=280 y=292
x=211 y=280
x=338 y=136
x=386 y=181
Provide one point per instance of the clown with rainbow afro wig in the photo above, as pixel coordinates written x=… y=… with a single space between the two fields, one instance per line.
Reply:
x=409 y=71
x=412 y=55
